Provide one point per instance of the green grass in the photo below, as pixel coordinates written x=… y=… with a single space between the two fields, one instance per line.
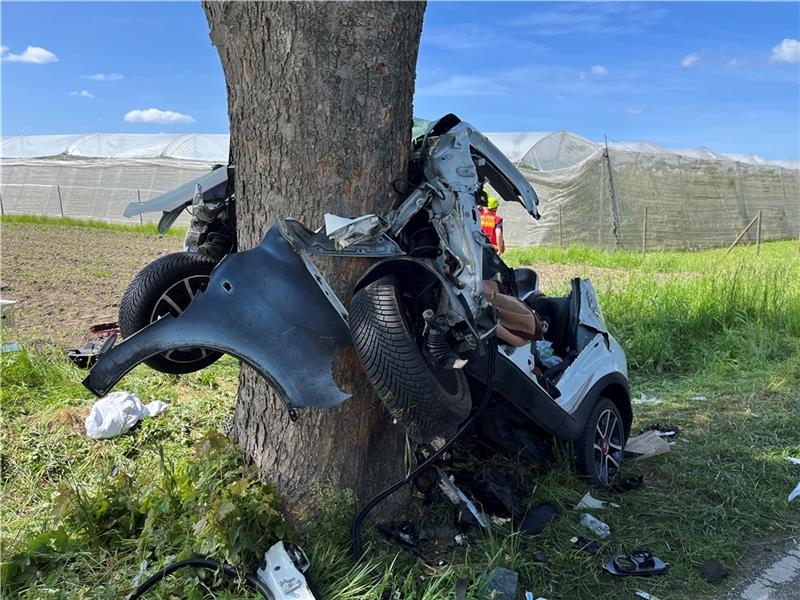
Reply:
x=146 y=228
x=80 y=517
x=654 y=262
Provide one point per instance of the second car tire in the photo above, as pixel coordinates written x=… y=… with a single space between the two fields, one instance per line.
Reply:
x=429 y=401
x=167 y=285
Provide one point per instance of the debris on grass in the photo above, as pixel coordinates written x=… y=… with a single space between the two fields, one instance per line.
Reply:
x=117 y=413
x=663 y=430
x=501 y=584
x=620 y=486
x=698 y=398
x=793 y=459
x=638 y=562
x=538 y=518
x=595 y=525
x=592 y=547
x=452 y=492
x=644 y=399
x=794 y=493
x=646 y=445
x=589 y=502
x=645 y=595
x=713 y=571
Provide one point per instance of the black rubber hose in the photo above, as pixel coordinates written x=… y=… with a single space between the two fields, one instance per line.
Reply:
x=355 y=534
x=203 y=563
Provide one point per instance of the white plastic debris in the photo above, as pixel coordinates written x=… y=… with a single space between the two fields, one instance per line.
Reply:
x=116 y=413
x=650 y=443
x=645 y=595
x=589 y=502
x=698 y=398
x=643 y=399
x=793 y=459
x=794 y=493
x=596 y=526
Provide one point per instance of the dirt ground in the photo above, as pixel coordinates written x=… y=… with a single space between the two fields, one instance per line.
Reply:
x=66 y=279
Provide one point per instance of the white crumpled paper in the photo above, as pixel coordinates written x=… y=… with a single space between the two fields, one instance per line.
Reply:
x=116 y=413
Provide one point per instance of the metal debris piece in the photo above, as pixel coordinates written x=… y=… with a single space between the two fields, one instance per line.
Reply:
x=451 y=491
x=589 y=502
x=648 y=444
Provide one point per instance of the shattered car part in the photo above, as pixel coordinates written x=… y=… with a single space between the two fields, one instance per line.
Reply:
x=538 y=518
x=456 y=495
x=212 y=188
x=638 y=562
x=589 y=502
x=501 y=583
x=284 y=326
x=282 y=573
x=592 y=547
x=646 y=445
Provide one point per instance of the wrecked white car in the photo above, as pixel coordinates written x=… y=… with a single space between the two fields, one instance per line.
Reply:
x=424 y=319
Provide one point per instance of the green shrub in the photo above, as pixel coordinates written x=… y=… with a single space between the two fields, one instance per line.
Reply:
x=210 y=506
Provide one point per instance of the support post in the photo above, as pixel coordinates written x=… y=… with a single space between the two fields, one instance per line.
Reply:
x=139 y=199
x=560 y=227
x=614 y=207
x=644 y=232
x=2 y=210
x=741 y=235
x=60 y=201
x=758 y=234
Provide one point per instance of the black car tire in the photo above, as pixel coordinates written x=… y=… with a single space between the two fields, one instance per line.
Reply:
x=427 y=400
x=589 y=449
x=155 y=291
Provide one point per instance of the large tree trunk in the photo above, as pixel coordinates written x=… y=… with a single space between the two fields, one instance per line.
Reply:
x=319 y=99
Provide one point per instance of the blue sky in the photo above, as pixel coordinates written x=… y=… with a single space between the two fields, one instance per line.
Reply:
x=723 y=75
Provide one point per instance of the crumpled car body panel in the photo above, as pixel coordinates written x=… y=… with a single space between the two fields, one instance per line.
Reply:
x=262 y=306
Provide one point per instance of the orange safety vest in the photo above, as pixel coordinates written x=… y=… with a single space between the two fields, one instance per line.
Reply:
x=490 y=221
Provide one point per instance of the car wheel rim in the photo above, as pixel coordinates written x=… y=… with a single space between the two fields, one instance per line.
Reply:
x=608 y=441
x=173 y=302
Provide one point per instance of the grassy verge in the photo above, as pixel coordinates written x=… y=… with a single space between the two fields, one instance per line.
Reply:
x=84 y=518
x=146 y=228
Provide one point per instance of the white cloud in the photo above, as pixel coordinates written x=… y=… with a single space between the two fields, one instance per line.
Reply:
x=32 y=54
x=3 y=49
x=734 y=62
x=634 y=111
x=82 y=94
x=690 y=60
x=155 y=115
x=103 y=77
x=599 y=70
x=787 y=51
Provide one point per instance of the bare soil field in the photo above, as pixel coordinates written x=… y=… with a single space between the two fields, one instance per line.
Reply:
x=66 y=279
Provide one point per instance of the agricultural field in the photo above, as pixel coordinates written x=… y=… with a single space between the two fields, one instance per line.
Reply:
x=715 y=339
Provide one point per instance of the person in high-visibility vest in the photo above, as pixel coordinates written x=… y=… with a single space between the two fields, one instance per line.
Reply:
x=491 y=222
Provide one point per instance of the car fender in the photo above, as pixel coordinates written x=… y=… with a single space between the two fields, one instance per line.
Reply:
x=266 y=308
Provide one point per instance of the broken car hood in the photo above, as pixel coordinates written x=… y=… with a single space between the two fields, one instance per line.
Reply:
x=262 y=306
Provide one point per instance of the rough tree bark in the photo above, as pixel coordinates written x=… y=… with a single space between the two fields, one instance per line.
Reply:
x=319 y=100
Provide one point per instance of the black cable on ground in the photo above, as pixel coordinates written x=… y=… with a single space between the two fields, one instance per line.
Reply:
x=355 y=534
x=203 y=563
